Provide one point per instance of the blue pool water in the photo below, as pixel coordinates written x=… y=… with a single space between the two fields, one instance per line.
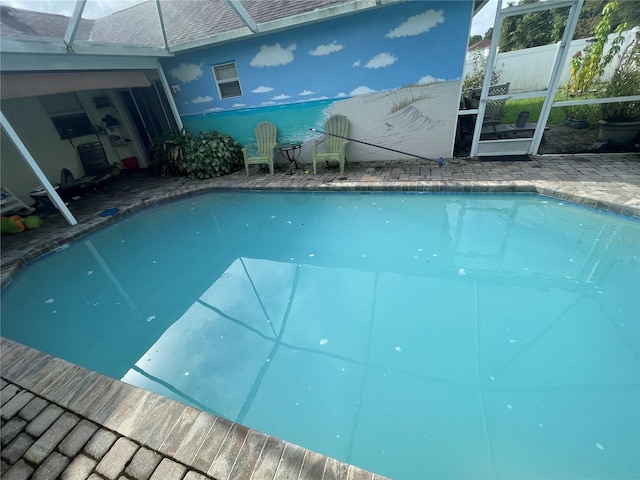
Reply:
x=419 y=336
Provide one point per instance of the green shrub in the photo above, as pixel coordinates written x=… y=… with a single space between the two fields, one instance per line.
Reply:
x=206 y=155
x=475 y=79
x=624 y=81
x=168 y=150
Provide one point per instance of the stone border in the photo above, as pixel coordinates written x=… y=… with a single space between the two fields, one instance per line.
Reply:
x=594 y=199
x=124 y=429
x=119 y=403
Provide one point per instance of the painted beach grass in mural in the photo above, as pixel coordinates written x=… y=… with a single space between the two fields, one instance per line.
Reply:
x=394 y=71
x=403 y=116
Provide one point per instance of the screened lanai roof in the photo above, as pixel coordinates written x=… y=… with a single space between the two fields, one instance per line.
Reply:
x=160 y=27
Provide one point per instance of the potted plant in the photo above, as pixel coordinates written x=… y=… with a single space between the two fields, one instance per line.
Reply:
x=588 y=65
x=621 y=120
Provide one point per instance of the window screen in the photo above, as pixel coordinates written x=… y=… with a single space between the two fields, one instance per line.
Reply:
x=227 y=80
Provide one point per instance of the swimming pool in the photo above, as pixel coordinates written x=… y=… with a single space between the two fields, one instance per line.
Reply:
x=494 y=336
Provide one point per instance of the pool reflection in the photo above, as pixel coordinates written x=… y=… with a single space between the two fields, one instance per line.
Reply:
x=379 y=329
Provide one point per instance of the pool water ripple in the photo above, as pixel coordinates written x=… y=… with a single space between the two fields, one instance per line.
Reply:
x=486 y=336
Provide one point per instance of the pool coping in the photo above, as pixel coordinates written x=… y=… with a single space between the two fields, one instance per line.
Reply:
x=195 y=442
x=628 y=205
x=122 y=408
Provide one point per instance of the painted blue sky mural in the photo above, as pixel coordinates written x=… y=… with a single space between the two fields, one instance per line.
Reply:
x=408 y=43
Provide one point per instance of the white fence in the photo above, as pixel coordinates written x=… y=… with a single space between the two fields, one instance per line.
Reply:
x=529 y=69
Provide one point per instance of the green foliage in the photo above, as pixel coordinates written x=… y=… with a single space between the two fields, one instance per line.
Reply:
x=206 y=155
x=474 y=39
x=532 y=29
x=628 y=12
x=475 y=79
x=168 y=150
x=547 y=27
x=588 y=65
x=513 y=108
x=624 y=81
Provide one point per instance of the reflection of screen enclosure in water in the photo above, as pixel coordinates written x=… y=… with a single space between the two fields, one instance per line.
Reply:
x=418 y=336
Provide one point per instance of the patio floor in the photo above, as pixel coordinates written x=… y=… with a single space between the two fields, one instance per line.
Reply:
x=63 y=421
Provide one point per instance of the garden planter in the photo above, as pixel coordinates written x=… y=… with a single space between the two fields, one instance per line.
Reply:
x=618 y=133
x=576 y=122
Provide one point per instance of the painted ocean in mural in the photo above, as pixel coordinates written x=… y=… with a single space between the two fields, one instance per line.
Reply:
x=394 y=71
x=294 y=121
x=408 y=118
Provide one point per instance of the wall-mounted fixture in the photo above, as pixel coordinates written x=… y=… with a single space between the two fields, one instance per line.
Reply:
x=175 y=88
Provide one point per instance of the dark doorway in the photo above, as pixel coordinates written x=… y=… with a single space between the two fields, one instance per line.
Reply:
x=150 y=111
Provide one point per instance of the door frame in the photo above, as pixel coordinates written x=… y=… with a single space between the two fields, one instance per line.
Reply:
x=523 y=146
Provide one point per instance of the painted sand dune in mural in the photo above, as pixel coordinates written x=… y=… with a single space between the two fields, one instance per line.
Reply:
x=412 y=119
x=419 y=117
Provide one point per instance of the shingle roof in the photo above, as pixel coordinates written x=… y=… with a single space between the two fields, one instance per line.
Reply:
x=191 y=20
x=25 y=23
x=137 y=25
x=484 y=43
x=185 y=20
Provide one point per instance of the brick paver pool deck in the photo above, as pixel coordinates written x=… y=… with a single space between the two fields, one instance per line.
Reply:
x=62 y=421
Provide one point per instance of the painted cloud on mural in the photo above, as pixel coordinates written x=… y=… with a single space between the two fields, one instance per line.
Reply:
x=273 y=56
x=361 y=90
x=427 y=79
x=186 y=72
x=320 y=50
x=381 y=60
x=417 y=24
x=394 y=71
x=202 y=99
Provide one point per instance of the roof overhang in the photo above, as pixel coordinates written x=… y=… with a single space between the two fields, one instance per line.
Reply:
x=314 y=16
x=478 y=4
x=21 y=85
x=27 y=54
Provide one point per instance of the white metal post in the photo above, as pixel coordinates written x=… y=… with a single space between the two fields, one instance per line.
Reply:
x=169 y=95
x=491 y=60
x=28 y=158
x=554 y=81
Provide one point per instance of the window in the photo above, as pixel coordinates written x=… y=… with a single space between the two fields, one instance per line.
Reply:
x=227 y=80
x=67 y=115
x=61 y=103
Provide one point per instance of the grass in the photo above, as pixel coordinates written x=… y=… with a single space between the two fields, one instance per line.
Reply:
x=533 y=105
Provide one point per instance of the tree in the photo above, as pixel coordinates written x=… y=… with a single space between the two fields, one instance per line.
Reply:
x=546 y=27
x=474 y=39
x=532 y=29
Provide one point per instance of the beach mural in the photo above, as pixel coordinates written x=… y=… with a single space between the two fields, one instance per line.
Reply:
x=395 y=72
